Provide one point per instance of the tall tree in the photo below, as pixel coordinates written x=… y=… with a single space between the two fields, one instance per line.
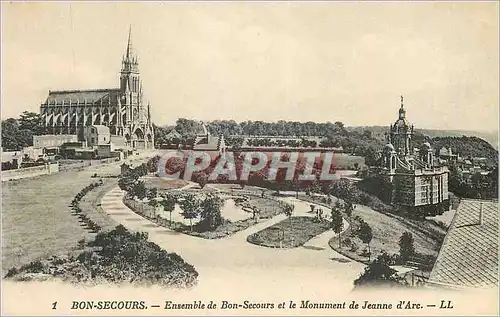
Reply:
x=406 y=247
x=349 y=206
x=168 y=204
x=30 y=121
x=139 y=190
x=10 y=134
x=365 y=234
x=288 y=210
x=337 y=223
x=190 y=206
x=211 y=216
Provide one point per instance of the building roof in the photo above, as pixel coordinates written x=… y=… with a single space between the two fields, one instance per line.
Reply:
x=469 y=254
x=101 y=129
x=173 y=134
x=89 y=96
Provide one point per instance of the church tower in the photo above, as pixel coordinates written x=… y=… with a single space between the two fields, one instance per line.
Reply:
x=136 y=117
x=130 y=83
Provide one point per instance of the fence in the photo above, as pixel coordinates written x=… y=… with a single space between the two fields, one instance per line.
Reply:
x=51 y=168
x=21 y=173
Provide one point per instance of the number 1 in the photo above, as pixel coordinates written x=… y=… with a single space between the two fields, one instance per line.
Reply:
x=54 y=304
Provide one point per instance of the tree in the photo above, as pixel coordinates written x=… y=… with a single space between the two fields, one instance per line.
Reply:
x=371 y=157
x=406 y=248
x=190 y=206
x=288 y=210
x=30 y=121
x=338 y=206
x=349 y=207
x=315 y=187
x=152 y=193
x=139 y=190
x=378 y=273
x=168 y=204
x=201 y=178
x=10 y=131
x=14 y=137
x=337 y=223
x=367 y=134
x=365 y=234
x=211 y=216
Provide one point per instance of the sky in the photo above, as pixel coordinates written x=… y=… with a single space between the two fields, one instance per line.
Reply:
x=319 y=61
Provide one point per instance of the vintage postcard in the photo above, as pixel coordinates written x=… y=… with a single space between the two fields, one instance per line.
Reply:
x=249 y=158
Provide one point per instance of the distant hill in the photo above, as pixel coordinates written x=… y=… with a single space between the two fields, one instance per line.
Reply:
x=468 y=146
x=490 y=137
x=379 y=131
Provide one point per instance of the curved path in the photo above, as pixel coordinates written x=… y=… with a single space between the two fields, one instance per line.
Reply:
x=224 y=262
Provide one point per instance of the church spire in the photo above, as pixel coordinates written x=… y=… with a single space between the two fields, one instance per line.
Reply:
x=130 y=58
x=129 y=44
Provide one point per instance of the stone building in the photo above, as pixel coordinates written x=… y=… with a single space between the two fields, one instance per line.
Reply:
x=419 y=183
x=97 y=135
x=122 y=110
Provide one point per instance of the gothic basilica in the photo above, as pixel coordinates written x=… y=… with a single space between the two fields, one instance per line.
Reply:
x=120 y=112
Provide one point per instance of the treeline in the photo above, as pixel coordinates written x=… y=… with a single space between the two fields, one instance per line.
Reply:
x=331 y=134
x=279 y=128
x=303 y=142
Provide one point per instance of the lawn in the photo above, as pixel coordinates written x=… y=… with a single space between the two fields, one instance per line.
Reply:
x=289 y=233
x=91 y=205
x=387 y=229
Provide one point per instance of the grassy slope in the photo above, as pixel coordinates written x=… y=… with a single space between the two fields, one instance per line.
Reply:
x=387 y=229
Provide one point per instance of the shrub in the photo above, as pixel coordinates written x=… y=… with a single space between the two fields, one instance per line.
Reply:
x=354 y=247
x=81 y=243
x=347 y=242
x=11 y=272
x=379 y=273
x=33 y=267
